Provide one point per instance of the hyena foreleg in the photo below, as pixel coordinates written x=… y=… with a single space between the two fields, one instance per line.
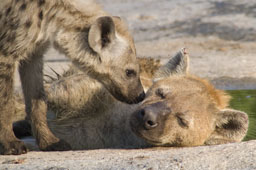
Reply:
x=31 y=74
x=9 y=144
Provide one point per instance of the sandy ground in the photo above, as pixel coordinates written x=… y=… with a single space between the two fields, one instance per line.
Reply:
x=241 y=156
x=220 y=36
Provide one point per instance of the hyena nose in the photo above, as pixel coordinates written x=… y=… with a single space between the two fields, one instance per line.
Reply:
x=140 y=97
x=149 y=119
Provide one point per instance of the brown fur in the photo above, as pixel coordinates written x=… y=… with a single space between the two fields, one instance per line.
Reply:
x=179 y=110
x=148 y=67
x=95 y=42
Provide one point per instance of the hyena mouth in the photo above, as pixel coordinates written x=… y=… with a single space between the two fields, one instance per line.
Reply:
x=138 y=130
x=138 y=99
x=135 y=100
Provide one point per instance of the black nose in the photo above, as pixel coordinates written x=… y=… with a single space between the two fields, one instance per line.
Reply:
x=149 y=119
x=140 y=97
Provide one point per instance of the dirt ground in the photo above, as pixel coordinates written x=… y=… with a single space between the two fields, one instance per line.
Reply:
x=241 y=156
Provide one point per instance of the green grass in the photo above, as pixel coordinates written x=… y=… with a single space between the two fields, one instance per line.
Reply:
x=245 y=100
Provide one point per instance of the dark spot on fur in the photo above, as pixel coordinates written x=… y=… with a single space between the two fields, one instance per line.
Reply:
x=28 y=24
x=41 y=2
x=51 y=17
x=15 y=56
x=8 y=11
x=8 y=66
x=5 y=102
x=1 y=46
x=8 y=79
x=14 y=25
x=40 y=15
x=4 y=52
x=78 y=29
x=0 y=15
x=5 y=94
x=23 y=7
x=12 y=52
x=11 y=37
x=5 y=65
x=5 y=77
x=2 y=37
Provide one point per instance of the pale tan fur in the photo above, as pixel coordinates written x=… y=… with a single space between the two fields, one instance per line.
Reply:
x=184 y=110
x=97 y=43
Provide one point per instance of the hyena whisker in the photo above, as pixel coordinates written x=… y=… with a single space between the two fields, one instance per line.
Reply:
x=50 y=77
x=57 y=74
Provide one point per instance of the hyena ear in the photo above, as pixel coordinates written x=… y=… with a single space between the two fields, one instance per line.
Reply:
x=231 y=126
x=177 y=65
x=101 y=33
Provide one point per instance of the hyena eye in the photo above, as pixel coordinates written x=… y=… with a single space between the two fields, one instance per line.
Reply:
x=160 y=92
x=182 y=122
x=130 y=73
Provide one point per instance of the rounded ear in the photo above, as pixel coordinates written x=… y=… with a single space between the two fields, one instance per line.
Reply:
x=231 y=126
x=177 y=65
x=101 y=33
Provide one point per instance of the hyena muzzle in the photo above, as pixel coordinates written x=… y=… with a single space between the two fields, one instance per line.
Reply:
x=97 y=43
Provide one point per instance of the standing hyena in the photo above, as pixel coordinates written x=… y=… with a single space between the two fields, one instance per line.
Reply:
x=179 y=110
x=95 y=42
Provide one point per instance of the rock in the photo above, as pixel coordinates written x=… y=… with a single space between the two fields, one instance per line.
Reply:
x=229 y=156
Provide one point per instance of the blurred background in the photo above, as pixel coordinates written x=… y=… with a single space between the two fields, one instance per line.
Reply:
x=219 y=34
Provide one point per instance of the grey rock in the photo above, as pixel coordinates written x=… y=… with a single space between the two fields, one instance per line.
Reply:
x=234 y=156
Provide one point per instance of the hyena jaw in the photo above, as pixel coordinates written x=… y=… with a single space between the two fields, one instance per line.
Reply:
x=27 y=29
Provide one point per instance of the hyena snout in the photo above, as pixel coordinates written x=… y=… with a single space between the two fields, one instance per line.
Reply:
x=131 y=94
x=138 y=92
x=153 y=116
x=149 y=119
x=140 y=97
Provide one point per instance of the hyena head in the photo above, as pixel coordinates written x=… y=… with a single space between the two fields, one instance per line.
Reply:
x=184 y=110
x=105 y=51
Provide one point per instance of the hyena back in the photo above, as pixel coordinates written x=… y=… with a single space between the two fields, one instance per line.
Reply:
x=95 y=42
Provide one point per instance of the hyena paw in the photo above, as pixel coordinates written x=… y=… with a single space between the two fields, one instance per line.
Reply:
x=59 y=145
x=15 y=147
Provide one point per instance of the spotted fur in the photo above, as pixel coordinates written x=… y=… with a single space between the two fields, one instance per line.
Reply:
x=96 y=42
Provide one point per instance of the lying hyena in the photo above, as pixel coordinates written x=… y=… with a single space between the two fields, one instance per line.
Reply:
x=179 y=110
x=95 y=42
